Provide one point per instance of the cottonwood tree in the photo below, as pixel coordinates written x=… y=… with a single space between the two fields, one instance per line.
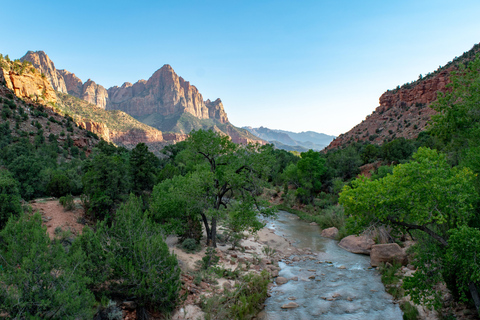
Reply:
x=426 y=195
x=226 y=182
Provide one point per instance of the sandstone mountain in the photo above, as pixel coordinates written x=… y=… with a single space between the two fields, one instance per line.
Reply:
x=28 y=110
x=165 y=101
x=293 y=141
x=404 y=111
x=33 y=87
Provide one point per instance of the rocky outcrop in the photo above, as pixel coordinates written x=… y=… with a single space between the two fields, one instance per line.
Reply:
x=216 y=111
x=357 y=244
x=174 y=137
x=66 y=82
x=404 y=111
x=389 y=252
x=73 y=84
x=100 y=129
x=29 y=86
x=94 y=94
x=165 y=93
x=42 y=63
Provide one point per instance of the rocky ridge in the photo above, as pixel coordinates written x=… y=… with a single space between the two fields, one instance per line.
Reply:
x=404 y=111
x=159 y=101
x=29 y=99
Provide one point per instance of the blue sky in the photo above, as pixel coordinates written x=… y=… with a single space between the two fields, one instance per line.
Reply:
x=292 y=65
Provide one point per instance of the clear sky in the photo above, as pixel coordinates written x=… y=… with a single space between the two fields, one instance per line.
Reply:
x=292 y=65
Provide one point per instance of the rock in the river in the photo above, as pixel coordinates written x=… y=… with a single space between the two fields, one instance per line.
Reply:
x=330 y=233
x=313 y=223
x=290 y=305
x=390 y=252
x=357 y=244
x=281 y=280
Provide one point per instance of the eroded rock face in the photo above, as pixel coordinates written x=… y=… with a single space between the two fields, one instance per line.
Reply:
x=73 y=84
x=42 y=63
x=29 y=86
x=165 y=93
x=94 y=94
x=357 y=244
x=389 y=252
x=403 y=112
x=66 y=82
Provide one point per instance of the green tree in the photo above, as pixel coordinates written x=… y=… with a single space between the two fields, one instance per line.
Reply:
x=143 y=167
x=425 y=196
x=9 y=197
x=457 y=122
x=105 y=183
x=306 y=175
x=224 y=171
x=132 y=256
x=39 y=279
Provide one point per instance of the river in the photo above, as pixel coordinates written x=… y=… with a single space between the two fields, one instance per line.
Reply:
x=334 y=284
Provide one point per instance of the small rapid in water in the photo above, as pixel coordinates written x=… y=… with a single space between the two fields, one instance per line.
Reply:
x=332 y=283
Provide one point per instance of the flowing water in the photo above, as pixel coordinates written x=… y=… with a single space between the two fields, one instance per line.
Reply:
x=334 y=284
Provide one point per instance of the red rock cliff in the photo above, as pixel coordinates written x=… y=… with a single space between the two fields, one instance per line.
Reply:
x=165 y=93
x=405 y=111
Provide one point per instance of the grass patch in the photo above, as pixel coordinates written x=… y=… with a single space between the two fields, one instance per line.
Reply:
x=244 y=302
x=391 y=280
x=409 y=311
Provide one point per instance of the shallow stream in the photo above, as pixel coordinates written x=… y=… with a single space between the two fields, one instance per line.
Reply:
x=332 y=283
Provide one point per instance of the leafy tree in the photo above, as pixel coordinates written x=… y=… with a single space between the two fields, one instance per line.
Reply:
x=9 y=197
x=224 y=170
x=39 y=279
x=397 y=150
x=344 y=163
x=370 y=153
x=306 y=175
x=143 y=166
x=105 y=182
x=457 y=122
x=425 y=195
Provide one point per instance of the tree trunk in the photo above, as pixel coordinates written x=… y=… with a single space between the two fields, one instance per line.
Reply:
x=214 y=232
x=474 y=293
x=207 y=229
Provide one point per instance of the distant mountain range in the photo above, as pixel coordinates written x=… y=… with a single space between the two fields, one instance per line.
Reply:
x=292 y=141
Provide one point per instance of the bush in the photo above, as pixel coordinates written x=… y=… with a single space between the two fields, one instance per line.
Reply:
x=59 y=185
x=40 y=279
x=190 y=245
x=133 y=256
x=242 y=303
x=67 y=202
x=9 y=197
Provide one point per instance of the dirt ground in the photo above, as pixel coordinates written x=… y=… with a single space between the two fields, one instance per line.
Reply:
x=54 y=216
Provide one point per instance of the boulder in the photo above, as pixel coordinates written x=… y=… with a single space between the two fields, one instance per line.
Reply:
x=357 y=244
x=387 y=253
x=281 y=280
x=329 y=233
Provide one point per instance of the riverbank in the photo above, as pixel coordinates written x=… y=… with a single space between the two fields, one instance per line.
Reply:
x=209 y=292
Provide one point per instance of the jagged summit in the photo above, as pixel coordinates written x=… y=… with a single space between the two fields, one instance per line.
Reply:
x=165 y=101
